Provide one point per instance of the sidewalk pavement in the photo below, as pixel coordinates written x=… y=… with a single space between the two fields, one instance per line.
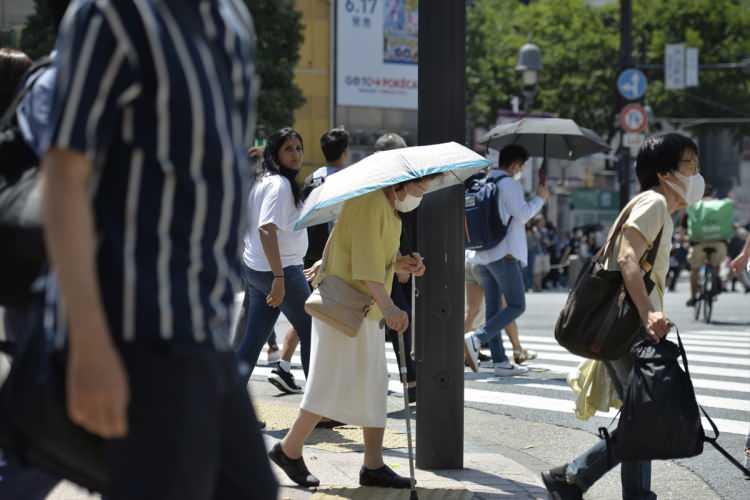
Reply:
x=335 y=457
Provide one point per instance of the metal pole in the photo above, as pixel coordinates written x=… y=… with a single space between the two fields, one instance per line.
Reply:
x=626 y=49
x=440 y=306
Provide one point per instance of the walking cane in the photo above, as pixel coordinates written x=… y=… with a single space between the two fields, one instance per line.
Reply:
x=402 y=369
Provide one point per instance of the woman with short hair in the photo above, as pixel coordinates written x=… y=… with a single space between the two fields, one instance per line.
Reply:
x=667 y=168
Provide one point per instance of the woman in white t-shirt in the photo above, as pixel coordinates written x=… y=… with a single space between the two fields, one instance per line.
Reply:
x=667 y=169
x=274 y=251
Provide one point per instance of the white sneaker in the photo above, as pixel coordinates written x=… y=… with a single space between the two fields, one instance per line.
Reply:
x=471 y=351
x=508 y=369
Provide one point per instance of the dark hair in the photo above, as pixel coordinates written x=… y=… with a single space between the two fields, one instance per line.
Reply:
x=512 y=153
x=334 y=143
x=389 y=141
x=13 y=66
x=661 y=154
x=271 y=162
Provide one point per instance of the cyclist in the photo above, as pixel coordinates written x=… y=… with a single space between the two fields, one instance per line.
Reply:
x=709 y=228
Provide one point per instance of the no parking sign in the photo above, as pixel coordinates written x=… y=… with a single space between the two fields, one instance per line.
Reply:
x=633 y=118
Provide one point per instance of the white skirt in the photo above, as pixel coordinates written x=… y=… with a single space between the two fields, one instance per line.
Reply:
x=348 y=376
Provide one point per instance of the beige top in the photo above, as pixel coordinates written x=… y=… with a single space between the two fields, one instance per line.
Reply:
x=364 y=244
x=648 y=214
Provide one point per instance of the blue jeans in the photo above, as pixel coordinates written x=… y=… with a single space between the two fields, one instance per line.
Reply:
x=587 y=468
x=258 y=318
x=500 y=278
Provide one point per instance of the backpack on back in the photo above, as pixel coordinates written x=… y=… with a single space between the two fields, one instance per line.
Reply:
x=22 y=251
x=710 y=220
x=483 y=227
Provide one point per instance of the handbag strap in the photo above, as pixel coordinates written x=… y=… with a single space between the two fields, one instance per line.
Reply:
x=649 y=257
x=324 y=260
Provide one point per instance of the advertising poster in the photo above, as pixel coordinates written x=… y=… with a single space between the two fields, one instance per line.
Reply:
x=377 y=52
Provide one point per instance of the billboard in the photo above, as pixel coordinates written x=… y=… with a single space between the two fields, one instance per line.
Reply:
x=377 y=53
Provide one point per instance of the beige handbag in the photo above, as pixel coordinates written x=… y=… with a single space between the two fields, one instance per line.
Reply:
x=336 y=302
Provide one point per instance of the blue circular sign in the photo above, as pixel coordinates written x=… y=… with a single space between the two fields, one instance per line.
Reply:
x=632 y=84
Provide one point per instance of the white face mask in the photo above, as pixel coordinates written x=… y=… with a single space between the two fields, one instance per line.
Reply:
x=690 y=188
x=408 y=204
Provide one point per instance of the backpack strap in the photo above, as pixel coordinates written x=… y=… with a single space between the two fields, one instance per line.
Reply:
x=27 y=83
x=497 y=184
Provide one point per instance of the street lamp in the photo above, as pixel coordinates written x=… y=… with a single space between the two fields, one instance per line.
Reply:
x=529 y=65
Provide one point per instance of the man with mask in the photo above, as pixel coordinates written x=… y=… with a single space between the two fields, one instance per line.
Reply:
x=667 y=169
x=500 y=267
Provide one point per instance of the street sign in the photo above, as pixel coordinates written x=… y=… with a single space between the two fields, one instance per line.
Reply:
x=632 y=84
x=691 y=67
x=674 y=66
x=633 y=118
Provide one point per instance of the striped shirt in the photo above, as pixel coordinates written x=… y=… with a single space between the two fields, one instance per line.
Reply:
x=160 y=95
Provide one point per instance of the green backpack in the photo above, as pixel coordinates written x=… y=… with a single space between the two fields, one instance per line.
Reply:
x=711 y=220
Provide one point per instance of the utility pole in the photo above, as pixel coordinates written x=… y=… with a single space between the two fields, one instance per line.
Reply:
x=626 y=61
x=440 y=306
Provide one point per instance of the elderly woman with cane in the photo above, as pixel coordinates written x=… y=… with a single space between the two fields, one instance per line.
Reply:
x=348 y=380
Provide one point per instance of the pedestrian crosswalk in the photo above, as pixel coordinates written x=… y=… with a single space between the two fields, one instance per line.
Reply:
x=719 y=365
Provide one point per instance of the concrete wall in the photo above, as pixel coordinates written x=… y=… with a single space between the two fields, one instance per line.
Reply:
x=313 y=75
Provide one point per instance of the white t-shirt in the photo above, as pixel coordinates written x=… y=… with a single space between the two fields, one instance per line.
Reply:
x=271 y=202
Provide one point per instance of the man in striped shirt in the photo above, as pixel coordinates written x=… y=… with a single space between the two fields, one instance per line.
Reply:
x=144 y=186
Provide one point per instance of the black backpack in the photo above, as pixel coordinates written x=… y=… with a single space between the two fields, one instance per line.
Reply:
x=483 y=227
x=660 y=417
x=22 y=251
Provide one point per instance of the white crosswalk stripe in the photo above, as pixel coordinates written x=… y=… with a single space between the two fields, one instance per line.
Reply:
x=719 y=365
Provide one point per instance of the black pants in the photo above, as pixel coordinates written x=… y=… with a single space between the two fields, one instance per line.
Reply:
x=192 y=430
x=401 y=295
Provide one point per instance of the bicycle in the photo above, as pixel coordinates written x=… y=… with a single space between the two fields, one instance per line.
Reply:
x=709 y=288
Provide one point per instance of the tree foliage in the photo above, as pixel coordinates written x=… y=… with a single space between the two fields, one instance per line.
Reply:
x=580 y=50
x=38 y=35
x=279 y=28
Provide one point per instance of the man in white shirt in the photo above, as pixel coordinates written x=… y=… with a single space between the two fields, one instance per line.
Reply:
x=500 y=267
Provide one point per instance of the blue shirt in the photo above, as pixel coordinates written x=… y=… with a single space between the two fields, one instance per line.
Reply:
x=33 y=112
x=160 y=95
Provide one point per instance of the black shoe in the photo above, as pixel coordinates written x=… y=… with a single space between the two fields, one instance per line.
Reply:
x=691 y=302
x=284 y=381
x=383 y=477
x=295 y=469
x=484 y=357
x=558 y=487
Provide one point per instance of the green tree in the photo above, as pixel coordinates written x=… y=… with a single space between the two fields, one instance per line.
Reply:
x=38 y=35
x=279 y=28
x=580 y=48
